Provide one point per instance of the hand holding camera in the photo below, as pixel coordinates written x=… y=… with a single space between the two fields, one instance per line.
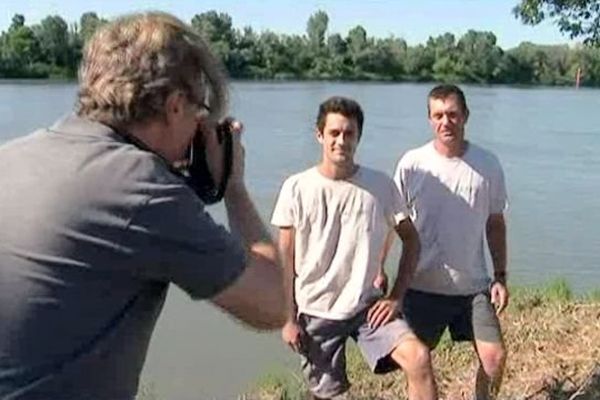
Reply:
x=216 y=161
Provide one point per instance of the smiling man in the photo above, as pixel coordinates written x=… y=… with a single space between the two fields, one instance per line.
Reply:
x=333 y=221
x=456 y=194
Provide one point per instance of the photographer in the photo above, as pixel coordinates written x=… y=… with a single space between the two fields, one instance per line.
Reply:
x=97 y=220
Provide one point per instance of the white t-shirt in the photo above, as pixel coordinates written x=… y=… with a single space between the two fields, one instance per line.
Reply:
x=450 y=200
x=340 y=229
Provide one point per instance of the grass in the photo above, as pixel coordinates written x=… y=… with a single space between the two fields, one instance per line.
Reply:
x=552 y=338
x=289 y=385
x=555 y=291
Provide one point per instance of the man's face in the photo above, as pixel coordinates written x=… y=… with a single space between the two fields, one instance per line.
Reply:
x=339 y=139
x=447 y=120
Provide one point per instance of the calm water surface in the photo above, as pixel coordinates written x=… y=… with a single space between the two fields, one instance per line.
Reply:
x=547 y=140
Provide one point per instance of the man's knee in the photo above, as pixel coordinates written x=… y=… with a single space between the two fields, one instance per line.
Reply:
x=413 y=356
x=492 y=358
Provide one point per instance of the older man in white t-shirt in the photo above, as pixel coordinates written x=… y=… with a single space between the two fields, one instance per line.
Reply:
x=333 y=222
x=456 y=194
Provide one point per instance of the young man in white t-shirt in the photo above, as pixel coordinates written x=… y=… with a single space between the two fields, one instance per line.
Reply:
x=456 y=194
x=333 y=220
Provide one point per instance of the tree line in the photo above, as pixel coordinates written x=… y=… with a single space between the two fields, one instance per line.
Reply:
x=53 y=48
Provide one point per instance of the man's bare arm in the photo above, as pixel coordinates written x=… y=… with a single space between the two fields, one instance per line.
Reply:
x=385 y=309
x=286 y=249
x=292 y=334
x=257 y=296
x=381 y=281
x=411 y=248
x=496 y=238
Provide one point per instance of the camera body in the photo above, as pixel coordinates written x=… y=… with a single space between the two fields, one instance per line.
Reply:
x=198 y=175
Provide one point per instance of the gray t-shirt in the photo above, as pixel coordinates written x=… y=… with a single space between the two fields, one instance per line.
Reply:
x=92 y=231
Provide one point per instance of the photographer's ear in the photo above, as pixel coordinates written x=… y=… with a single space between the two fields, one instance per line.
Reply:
x=175 y=107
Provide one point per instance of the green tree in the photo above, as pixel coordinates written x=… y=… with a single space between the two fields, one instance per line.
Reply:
x=536 y=67
x=53 y=48
x=316 y=27
x=446 y=64
x=478 y=57
x=275 y=62
x=357 y=50
x=577 y=18
x=379 y=59
x=588 y=59
x=338 y=64
x=53 y=35
x=336 y=45
x=419 y=63
x=88 y=23
x=514 y=70
x=357 y=39
x=217 y=29
x=243 y=55
x=18 y=21
x=20 y=50
x=22 y=46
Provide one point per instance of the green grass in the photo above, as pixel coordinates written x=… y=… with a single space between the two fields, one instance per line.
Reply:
x=557 y=290
x=553 y=291
x=287 y=385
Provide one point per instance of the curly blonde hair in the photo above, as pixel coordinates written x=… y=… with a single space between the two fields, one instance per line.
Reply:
x=131 y=65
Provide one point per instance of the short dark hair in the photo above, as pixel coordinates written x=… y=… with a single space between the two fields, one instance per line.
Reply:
x=340 y=105
x=446 y=90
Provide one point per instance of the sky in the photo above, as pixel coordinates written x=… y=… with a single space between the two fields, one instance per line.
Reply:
x=413 y=20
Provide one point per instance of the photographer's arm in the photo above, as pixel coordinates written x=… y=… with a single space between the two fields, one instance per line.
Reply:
x=257 y=296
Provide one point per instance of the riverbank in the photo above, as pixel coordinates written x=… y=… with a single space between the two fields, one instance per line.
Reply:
x=554 y=354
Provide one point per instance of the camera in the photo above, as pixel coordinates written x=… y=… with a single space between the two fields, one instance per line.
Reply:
x=197 y=174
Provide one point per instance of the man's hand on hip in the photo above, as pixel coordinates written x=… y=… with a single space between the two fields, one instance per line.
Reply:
x=382 y=312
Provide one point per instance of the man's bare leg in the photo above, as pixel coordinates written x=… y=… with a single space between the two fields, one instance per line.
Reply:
x=415 y=360
x=492 y=357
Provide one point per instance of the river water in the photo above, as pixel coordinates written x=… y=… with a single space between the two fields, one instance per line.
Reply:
x=546 y=138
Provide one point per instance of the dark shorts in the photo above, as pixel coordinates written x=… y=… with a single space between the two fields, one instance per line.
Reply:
x=468 y=318
x=324 y=356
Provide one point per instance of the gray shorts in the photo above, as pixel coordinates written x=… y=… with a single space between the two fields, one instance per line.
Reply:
x=467 y=318
x=324 y=356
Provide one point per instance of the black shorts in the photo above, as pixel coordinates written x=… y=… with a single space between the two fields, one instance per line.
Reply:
x=468 y=318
